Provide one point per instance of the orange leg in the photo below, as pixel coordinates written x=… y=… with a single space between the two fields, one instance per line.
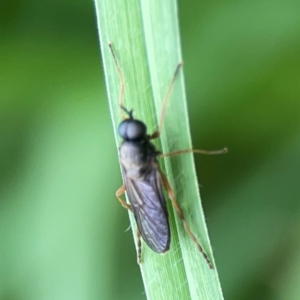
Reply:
x=119 y=193
x=214 y=152
x=156 y=134
x=121 y=91
x=178 y=210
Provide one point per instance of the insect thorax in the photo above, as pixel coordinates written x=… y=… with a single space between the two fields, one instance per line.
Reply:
x=137 y=158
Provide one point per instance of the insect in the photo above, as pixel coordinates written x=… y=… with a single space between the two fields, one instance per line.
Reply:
x=144 y=180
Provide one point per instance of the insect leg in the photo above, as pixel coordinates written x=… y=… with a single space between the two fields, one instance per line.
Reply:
x=119 y=193
x=139 y=246
x=156 y=134
x=178 y=210
x=121 y=92
x=214 y=152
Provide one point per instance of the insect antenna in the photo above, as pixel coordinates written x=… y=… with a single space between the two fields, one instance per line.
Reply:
x=128 y=112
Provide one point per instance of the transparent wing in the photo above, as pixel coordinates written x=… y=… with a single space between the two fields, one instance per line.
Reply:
x=150 y=211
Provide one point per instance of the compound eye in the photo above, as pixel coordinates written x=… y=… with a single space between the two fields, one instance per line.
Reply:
x=122 y=129
x=136 y=130
x=132 y=130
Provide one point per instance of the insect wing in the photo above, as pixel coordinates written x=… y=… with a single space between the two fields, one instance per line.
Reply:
x=150 y=211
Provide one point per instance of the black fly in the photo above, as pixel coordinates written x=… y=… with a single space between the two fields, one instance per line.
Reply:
x=144 y=180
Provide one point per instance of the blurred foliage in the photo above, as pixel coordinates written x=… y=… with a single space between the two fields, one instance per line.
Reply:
x=61 y=229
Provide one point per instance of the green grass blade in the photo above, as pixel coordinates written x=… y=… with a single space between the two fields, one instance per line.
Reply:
x=145 y=37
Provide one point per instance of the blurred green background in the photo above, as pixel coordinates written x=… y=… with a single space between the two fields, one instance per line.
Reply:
x=62 y=233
